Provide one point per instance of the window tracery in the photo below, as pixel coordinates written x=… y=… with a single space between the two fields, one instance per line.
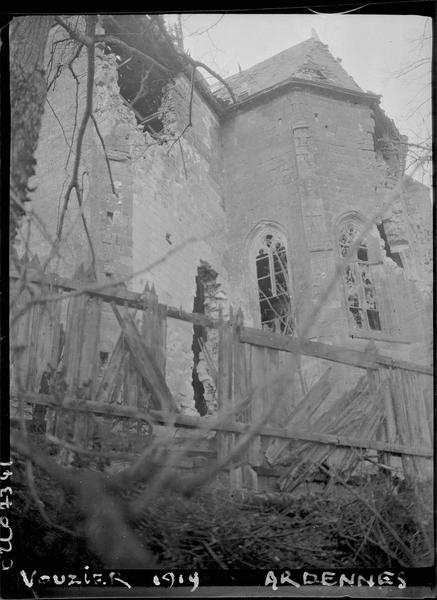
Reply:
x=360 y=293
x=273 y=284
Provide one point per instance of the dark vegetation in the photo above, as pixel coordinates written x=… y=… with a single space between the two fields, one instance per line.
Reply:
x=215 y=529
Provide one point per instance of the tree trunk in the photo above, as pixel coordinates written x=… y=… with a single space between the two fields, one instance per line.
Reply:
x=28 y=39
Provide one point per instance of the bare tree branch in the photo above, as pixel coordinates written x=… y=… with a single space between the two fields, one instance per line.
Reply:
x=142 y=89
x=74 y=182
x=108 y=164
x=197 y=63
x=76 y=105
x=58 y=121
x=86 y=40
x=190 y=112
x=201 y=65
x=110 y=39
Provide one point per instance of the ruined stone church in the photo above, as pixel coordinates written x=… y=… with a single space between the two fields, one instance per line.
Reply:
x=252 y=207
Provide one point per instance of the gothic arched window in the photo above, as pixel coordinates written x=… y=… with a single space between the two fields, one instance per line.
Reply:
x=273 y=284
x=360 y=292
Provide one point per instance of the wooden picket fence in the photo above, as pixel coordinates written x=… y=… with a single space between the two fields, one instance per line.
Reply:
x=386 y=415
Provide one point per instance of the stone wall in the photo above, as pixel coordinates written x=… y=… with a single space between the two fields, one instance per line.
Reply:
x=168 y=216
x=158 y=215
x=177 y=203
x=261 y=185
x=55 y=156
x=301 y=161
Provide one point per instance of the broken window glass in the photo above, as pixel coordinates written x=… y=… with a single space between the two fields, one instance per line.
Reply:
x=273 y=286
x=360 y=292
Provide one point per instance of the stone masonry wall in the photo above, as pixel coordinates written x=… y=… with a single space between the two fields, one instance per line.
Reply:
x=168 y=213
x=177 y=200
x=166 y=200
x=55 y=156
x=303 y=160
x=261 y=184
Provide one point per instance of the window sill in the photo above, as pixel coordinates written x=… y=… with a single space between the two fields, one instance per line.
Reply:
x=380 y=336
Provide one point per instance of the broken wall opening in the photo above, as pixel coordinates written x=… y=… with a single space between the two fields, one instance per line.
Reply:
x=199 y=337
x=204 y=347
x=143 y=86
x=395 y=256
x=388 y=143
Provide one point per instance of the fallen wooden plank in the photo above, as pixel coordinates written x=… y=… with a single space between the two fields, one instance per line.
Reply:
x=356 y=413
x=361 y=418
x=144 y=362
x=330 y=352
x=215 y=425
x=301 y=414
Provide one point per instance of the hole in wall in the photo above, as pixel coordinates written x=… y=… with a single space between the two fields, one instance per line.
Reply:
x=104 y=357
x=199 y=336
x=110 y=214
x=142 y=85
x=205 y=281
x=388 y=142
x=395 y=256
x=143 y=96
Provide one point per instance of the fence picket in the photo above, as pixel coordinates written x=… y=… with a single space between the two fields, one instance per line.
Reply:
x=225 y=396
x=154 y=327
x=401 y=418
x=80 y=353
x=248 y=359
x=145 y=363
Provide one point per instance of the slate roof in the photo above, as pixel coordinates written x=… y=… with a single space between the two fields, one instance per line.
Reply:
x=310 y=60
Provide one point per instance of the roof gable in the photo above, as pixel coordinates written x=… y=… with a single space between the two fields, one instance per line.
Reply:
x=309 y=60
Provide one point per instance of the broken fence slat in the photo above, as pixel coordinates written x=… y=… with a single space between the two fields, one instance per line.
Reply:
x=90 y=353
x=254 y=452
x=407 y=402
x=307 y=406
x=154 y=327
x=107 y=383
x=356 y=412
x=255 y=381
x=31 y=380
x=144 y=362
x=225 y=439
x=251 y=456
